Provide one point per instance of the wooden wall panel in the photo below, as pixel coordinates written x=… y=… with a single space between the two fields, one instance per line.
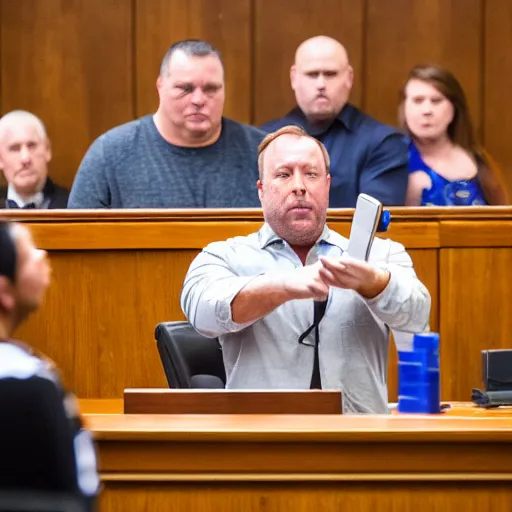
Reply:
x=68 y=62
x=497 y=130
x=224 y=23
x=280 y=26
x=99 y=315
x=477 y=314
x=118 y=296
x=304 y=496
x=403 y=33
x=113 y=283
x=86 y=66
x=426 y=264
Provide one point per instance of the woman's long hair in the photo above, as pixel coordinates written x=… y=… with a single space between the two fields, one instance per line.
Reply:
x=460 y=130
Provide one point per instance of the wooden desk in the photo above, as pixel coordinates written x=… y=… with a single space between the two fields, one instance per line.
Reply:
x=118 y=273
x=305 y=463
x=96 y=406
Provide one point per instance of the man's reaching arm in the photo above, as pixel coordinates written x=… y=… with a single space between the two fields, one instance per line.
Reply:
x=217 y=301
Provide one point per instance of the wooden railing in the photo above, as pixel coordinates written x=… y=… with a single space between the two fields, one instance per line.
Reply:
x=119 y=272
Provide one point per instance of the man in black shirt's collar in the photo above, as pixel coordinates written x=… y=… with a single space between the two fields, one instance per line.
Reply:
x=366 y=155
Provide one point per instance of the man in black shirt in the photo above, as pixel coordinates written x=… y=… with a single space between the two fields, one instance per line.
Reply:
x=366 y=156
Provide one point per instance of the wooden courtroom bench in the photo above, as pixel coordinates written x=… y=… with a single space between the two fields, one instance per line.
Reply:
x=455 y=461
x=117 y=273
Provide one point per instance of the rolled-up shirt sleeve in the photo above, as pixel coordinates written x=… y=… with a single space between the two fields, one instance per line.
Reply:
x=208 y=291
x=404 y=305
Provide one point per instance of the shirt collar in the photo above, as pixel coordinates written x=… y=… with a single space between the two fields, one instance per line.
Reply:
x=347 y=117
x=37 y=198
x=267 y=236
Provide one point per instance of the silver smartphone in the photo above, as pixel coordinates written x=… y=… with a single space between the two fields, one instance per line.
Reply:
x=364 y=226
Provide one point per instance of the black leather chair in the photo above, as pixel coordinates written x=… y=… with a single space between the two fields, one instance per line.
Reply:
x=190 y=360
x=38 y=471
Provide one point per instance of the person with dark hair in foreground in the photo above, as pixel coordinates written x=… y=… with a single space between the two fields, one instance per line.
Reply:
x=187 y=155
x=27 y=462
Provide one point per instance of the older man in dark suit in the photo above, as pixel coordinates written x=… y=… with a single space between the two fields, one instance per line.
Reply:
x=25 y=152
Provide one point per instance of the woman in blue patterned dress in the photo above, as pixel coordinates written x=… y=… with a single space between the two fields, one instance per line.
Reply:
x=446 y=165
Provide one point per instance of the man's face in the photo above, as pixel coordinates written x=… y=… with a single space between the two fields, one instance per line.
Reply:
x=192 y=95
x=321 y=79
x=32 y=273
x=24 y=156
x=428 y=113
x=294 y=192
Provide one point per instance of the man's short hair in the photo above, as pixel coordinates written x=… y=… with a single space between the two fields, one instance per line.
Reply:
x=289 y=130
x=190 y=47
x=7 y=251
x=15 y=116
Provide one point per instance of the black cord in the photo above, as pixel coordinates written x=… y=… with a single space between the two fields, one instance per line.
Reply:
x=318 y=314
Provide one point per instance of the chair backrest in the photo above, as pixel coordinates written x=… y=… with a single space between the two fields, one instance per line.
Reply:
x=189 y=358
x=23 y=501
x=37 y=461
